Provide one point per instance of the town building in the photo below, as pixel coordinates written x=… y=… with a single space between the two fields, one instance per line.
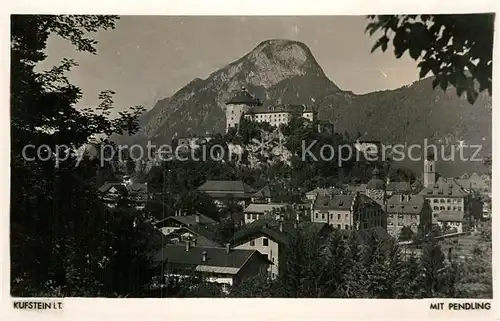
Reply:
x=313 y=194
x=225 y=191
x=237 y=106
x=451 y=221
x=262 y=196
x=277 y=115
x=368 y=213
x=376 y=189
x=255 y=212
x=352 y=189
x=397 y=188
x=139 y=194
x=270 y=237
x=198 y=234
x=225 y=266
x=348 y=212
x=445 y=194
x=112 y=192
x=475 y=184
x=407 y=210
x=244 y=105
x=335 y=210
x=172 y=223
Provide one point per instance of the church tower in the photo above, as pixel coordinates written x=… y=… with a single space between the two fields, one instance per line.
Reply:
x=429 y=171
x=237 y=106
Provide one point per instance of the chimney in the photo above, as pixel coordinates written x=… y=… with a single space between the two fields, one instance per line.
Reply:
x=197 y=217
x=188 y=246
x=228 y=248
x=204 y=256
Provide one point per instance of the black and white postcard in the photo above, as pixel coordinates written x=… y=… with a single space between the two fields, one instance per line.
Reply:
x=177 y=156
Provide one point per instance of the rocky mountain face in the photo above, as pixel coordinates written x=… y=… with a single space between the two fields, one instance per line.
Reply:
x=276 y=71
x=283 y=71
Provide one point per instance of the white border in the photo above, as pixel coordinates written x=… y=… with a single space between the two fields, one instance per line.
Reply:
x=234 y=309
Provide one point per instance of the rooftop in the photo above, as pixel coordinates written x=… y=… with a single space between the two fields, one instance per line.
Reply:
x=338 y=202
x=263 y=192
x=399 y=187
x=243 y=97
x=270 y=228
x=207 y=231
x=188 y=220
x=298 y=109
x=262 y=208
x=108 y=185
x=218 y=260
x=226 y=187
x=444 y=187
x=405 y=204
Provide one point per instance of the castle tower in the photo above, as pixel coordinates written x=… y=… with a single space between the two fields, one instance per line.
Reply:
x=237 y=106
x=429 y=171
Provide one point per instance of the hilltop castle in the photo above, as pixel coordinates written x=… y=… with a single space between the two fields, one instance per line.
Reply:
x=245 y=105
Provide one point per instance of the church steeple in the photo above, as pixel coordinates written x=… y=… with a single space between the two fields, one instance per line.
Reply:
x=429 y=171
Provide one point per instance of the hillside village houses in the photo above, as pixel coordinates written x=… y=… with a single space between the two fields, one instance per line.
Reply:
x=379 y=205
x=191 y=239
x=244 y=105
x=348 y=212
x=270 y=238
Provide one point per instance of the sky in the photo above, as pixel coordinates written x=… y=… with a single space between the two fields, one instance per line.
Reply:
x=146 y=58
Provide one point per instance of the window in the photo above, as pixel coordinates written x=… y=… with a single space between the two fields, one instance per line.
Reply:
x=436 y=200
x=454 y=208
x=339 y=226
x=316 y=215
x=322 y=216
x=459 y=208
x=449 y=208
x=347 y=216
x=390 y=216
x=435 y=215
x=442 y=208
x=331 y=216
x=442 y=200
x=252 y=243
x=338 y=216
x=400 y=216
x=347 y=226
x=265 y=242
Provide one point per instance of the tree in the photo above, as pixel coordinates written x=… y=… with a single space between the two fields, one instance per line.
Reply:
x=457 y=49
x=58 y=224
x=258 y=286
x=433 y=266
x=405 y=234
